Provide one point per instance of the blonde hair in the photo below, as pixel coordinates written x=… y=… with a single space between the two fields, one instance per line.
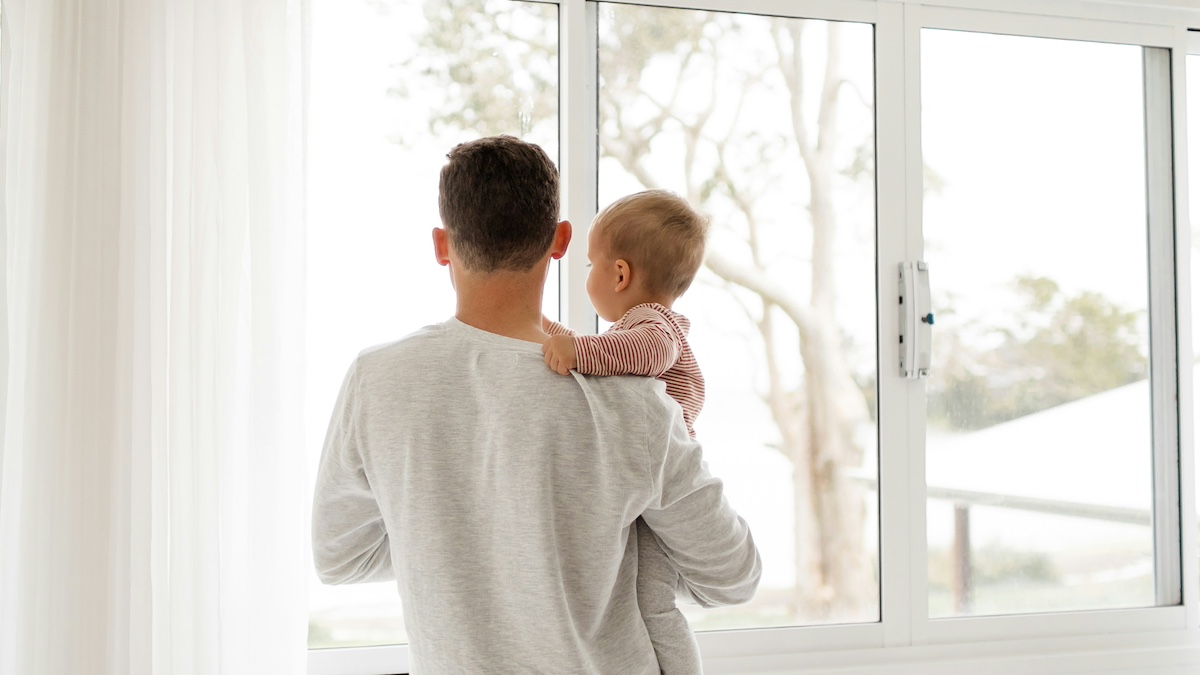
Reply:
x=660 y=234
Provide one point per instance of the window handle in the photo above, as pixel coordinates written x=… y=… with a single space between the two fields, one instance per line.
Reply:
x=916 y=320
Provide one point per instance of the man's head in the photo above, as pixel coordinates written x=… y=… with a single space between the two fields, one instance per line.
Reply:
x=659 y=235
x=498 y=198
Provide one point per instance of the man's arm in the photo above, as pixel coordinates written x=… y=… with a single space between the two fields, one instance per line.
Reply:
x=706 y=540
x=350 y=543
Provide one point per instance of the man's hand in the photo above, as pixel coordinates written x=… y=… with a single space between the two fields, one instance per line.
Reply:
x=560 y=353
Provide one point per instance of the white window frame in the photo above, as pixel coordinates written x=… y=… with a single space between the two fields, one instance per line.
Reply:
x=1188 y=43
x=1164 y=639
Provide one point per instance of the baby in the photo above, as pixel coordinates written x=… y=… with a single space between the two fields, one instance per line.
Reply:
x=644 y=250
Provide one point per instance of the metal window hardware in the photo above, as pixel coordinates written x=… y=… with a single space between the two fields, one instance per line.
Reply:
x=916 y=320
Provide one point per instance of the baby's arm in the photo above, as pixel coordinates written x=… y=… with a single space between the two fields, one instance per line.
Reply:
x=559 y=350
x=559 y=353
x=647 y=345
x=555 y=328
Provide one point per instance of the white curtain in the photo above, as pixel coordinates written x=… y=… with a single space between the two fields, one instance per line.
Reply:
x=153 y=500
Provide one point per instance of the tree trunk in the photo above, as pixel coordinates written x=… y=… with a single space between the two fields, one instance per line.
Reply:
x=846 y=588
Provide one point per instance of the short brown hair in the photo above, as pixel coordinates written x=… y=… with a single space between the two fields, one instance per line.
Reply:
x=658 y=232
x=498 y=198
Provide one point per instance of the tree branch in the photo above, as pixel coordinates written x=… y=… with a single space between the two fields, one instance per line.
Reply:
x=827 y=128
x=625 y=156
x=757 y=281
x=792 y=68
x=744 y=202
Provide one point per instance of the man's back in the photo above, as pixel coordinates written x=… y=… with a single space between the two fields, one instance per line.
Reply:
x=501 y=496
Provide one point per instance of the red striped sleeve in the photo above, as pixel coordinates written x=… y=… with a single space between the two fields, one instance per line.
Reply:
x=649 y=340
x=556 y=328
x=648 y=347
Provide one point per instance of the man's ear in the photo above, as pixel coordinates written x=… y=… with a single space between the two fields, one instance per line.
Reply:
x=441 y=246
x=623 y=275
x=562 y=239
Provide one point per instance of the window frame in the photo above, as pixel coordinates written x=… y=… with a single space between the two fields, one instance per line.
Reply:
x=1189 y=45
x=906 y=640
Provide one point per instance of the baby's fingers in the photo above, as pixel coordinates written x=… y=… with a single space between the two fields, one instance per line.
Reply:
x=553 y=361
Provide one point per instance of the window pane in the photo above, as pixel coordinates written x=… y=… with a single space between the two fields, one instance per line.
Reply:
x=382 y=119
x=1039 y=459
x=783 y=313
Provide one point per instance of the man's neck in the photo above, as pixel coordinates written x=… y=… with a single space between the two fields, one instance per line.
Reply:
x=504 y=304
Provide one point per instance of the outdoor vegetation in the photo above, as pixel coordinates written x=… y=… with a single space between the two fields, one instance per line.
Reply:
x=757 y=121
x=665 y=83
x=1055 y=349
x=730 y=164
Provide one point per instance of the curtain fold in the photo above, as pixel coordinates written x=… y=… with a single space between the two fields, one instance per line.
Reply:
x=152 y=487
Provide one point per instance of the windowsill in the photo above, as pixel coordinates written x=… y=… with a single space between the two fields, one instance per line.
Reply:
x=1160 y=652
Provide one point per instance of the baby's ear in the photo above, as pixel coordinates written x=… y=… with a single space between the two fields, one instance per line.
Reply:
x=624 y=274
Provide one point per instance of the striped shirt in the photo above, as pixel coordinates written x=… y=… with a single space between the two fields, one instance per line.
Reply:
x=651 y=340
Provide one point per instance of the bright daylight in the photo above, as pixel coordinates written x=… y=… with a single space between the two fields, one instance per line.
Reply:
x=659 y=337
x=1037 y=355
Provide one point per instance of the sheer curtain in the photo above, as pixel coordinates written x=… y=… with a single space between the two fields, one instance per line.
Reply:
x=153 y=509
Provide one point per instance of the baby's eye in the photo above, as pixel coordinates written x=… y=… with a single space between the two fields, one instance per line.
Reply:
x=588 y=265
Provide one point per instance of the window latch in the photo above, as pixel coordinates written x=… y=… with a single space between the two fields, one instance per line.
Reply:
x=916 y=320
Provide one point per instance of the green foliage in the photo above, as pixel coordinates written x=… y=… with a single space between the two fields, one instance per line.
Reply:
x=994 y=564
x=646 y=38
x=320 y=635
x=1056 y=349
x=647 y=33
x=495 y=63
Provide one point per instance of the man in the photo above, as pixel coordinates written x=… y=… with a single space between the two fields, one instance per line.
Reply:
x=500 y=495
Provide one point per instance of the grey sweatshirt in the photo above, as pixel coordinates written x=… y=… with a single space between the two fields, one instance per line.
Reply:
x=501 y=497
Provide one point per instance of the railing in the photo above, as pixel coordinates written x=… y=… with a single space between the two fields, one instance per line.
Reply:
x=963 y=500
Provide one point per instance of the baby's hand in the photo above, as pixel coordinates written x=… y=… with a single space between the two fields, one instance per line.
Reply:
x=560 y=353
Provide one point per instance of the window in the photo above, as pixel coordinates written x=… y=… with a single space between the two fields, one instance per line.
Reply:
x=766 y=123
x=1022 y=499
x=381 y=124
x=1039 y=453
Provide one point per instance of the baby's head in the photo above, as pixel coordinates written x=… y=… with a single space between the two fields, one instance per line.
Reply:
x=646 y=247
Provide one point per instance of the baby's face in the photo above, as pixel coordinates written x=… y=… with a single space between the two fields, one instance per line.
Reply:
x=603 y=277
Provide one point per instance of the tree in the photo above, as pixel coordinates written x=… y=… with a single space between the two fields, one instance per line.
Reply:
x=495 y=63
x=1058 y=349
x=663 y=79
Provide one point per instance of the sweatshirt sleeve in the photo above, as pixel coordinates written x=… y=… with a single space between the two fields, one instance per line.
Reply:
x=645 y=345
x=556 y=328
x=705 y=539
x=350 y=542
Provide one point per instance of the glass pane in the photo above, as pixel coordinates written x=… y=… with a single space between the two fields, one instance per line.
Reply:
x=382 y=120
x=783 y=313
x=1039 y=439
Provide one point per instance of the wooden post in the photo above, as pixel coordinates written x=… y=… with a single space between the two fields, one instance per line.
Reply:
x=962 y=559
